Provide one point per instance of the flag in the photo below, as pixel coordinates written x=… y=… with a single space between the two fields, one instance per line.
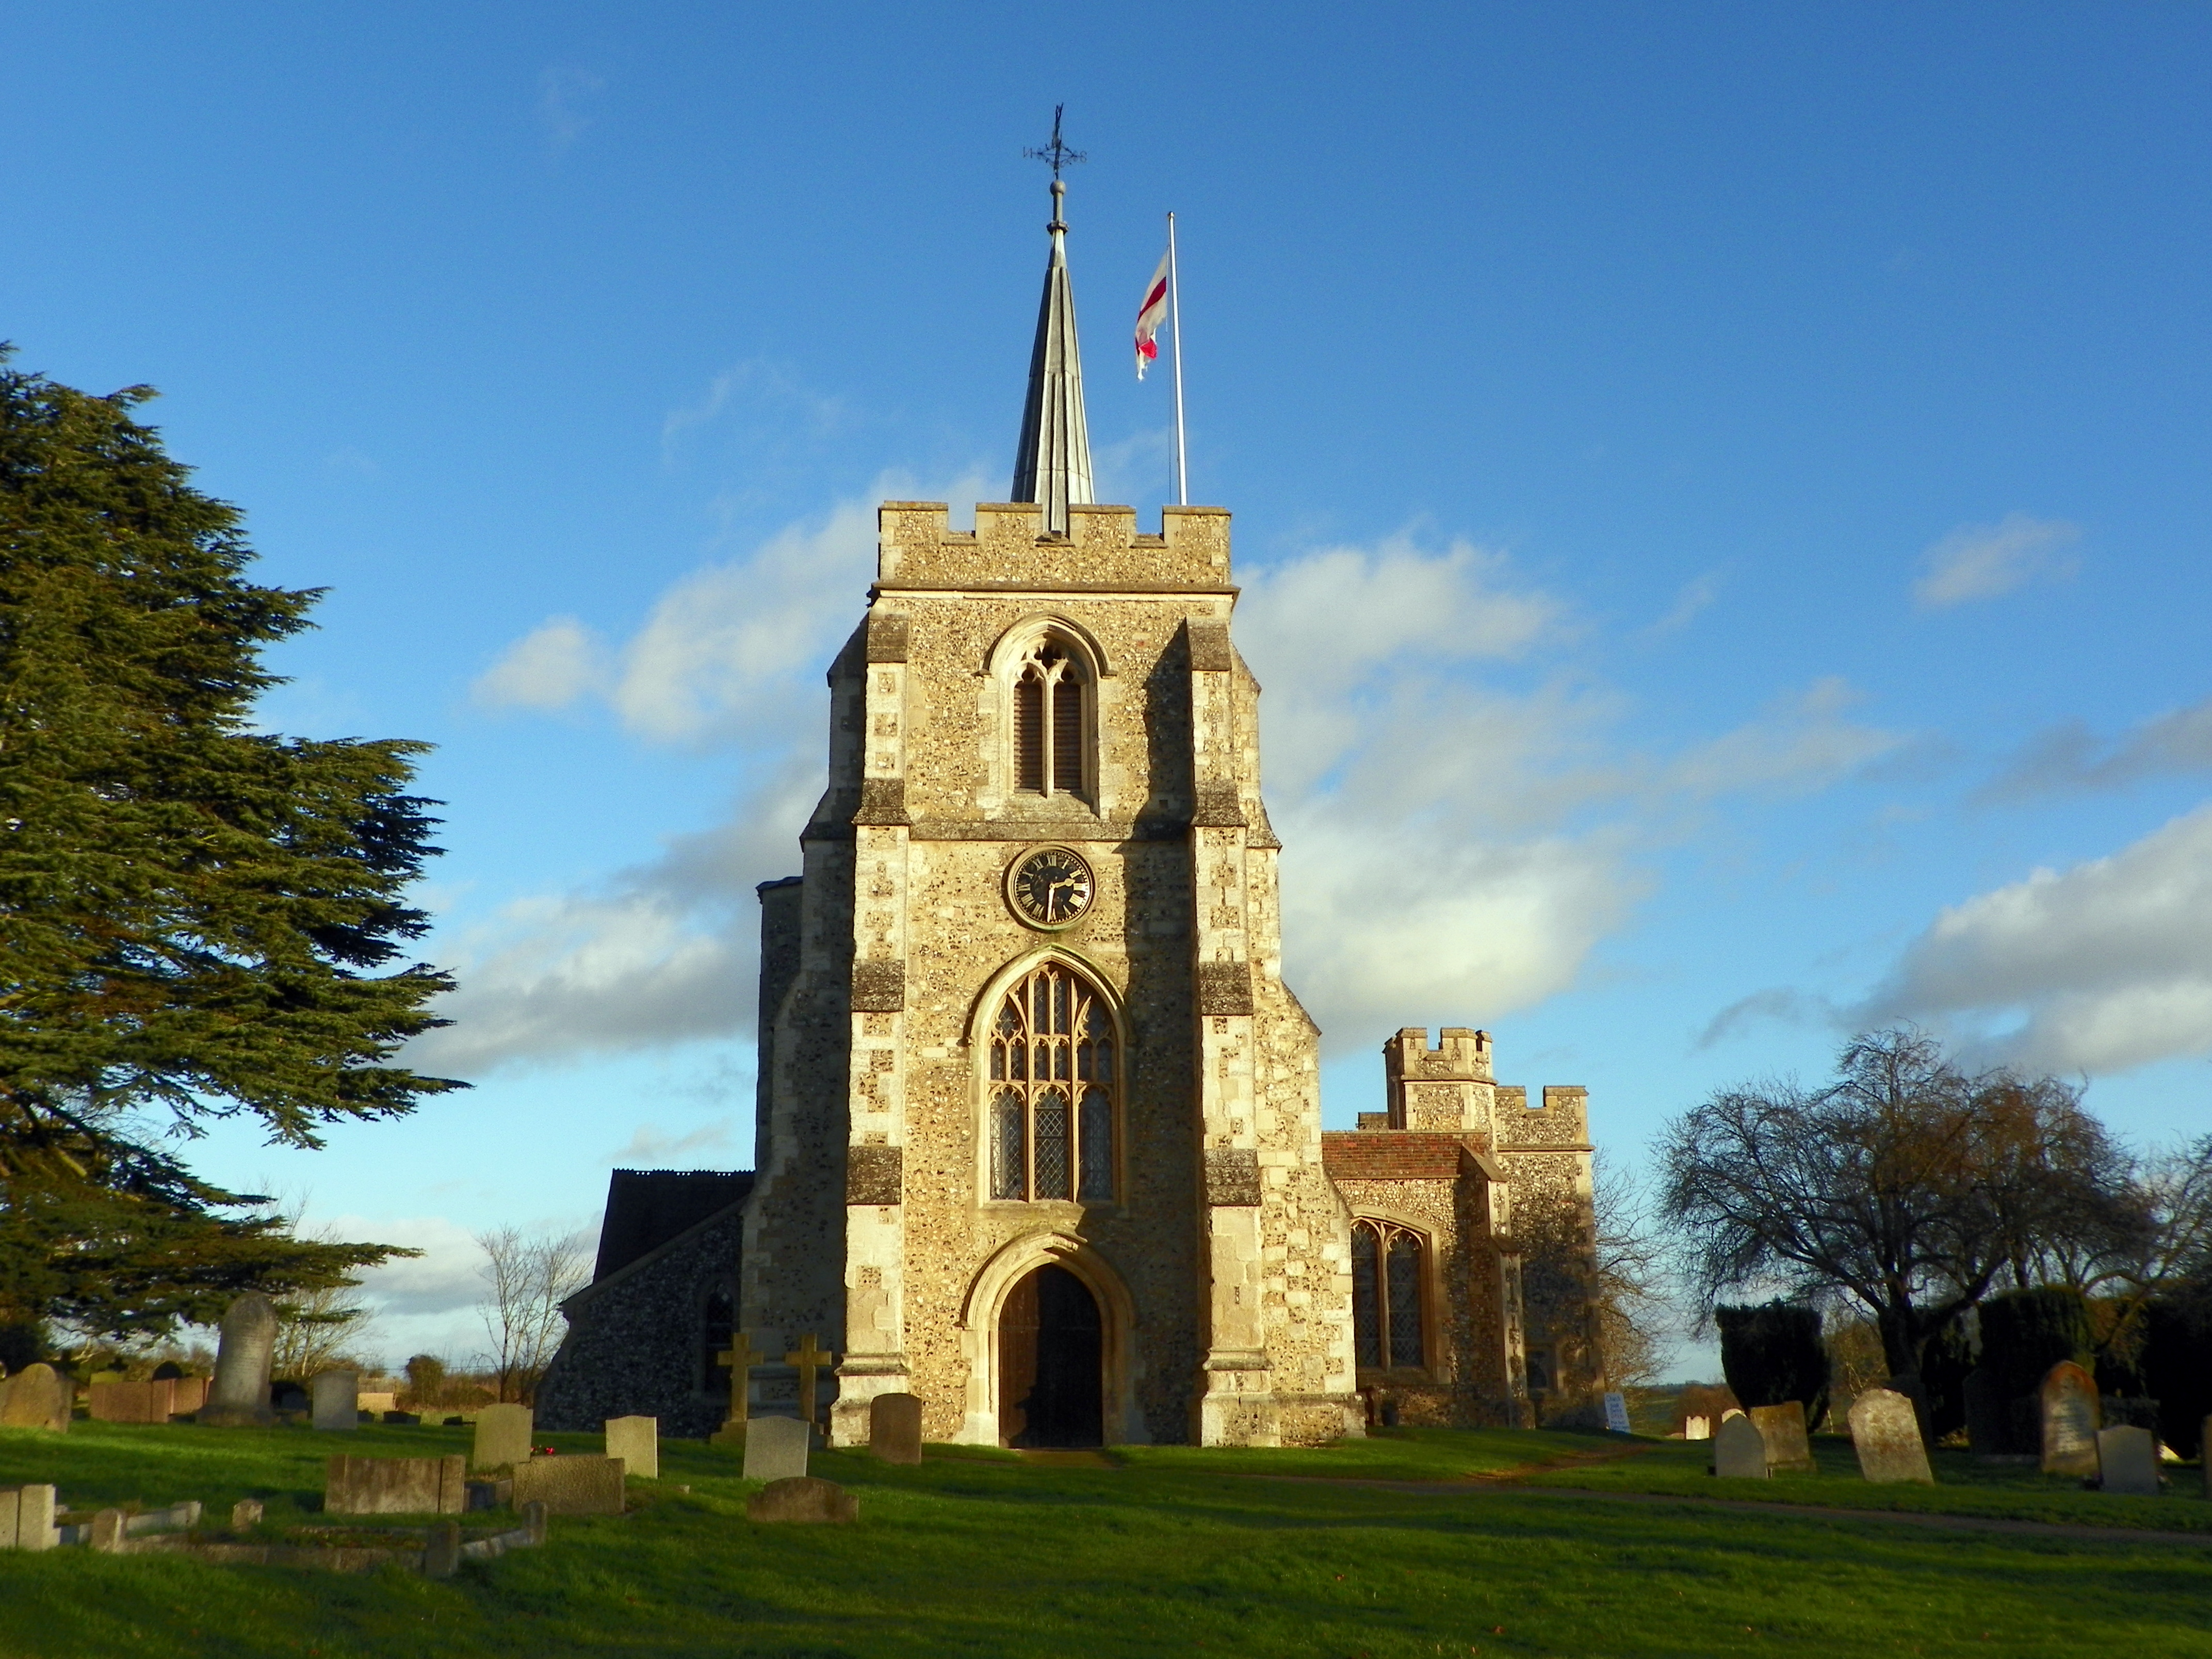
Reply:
x=1150 y=316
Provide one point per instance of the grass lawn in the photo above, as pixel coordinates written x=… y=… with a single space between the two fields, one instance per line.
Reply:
x=976 y=1553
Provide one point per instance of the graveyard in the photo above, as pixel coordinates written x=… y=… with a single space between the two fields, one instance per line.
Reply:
x=1408 y=1542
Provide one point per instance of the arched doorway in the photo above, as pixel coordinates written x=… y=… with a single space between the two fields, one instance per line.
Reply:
x=1051 y=1361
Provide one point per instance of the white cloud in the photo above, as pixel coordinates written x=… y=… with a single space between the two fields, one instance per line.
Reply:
x=650 y=1144
x=2097 y=968
x=1804 y=744
x=2070 y=758
x=1981 y=561
x=555 y=665
x=1695 y=597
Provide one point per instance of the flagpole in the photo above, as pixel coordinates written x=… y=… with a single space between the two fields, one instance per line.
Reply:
x=1174 y=321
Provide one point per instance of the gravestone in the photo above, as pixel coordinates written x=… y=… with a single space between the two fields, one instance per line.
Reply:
x=775 y=1448
x=395 y=1485
x=636 y=1441
x=2070 y=1420
x=1616 y=1414
x=2127 y=1462
x=801 y=1497
x=1886 y=1434
x=26 y=1518
x=132 y=1402
x=246 y=1514
x=1740 y=1450
x=240 y=1396
x=1782 y=1428
x=188 y=1394
x=107 y=1531
x=502 y=1437
x=337 y=1400
x=441 y=1558
x=895 y=1427
x=37 y=1397
x=571 y=1485
x=1697 y=1428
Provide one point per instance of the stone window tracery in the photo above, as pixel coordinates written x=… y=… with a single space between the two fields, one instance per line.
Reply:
x=1055 y=1089
x=1389 y=1263
x=1051 y=724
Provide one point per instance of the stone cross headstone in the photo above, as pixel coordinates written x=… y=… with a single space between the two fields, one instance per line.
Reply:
x=502 y=1436
x=2070 y=1420
x=636 y=1441
x=1740 y=1450
x=895 y=1427
x=2127 y=1462
x=775 y=1448
x=240 y=1396
x=1616 y=1414
x=38 y=1397
x=738 y=1359
x=1886 y=1434
x=337 y=1400
x=1697 y=1428
x=1782 y=1428
x=810 y=1359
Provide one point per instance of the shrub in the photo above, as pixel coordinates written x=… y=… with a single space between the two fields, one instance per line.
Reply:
x=1773 y=1353
x=2177 y=1367
x=2025 y=1333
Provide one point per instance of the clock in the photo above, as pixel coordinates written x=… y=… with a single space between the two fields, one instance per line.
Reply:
x=1050 y=887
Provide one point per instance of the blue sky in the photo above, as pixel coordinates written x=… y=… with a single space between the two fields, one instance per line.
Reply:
x=1720 y=492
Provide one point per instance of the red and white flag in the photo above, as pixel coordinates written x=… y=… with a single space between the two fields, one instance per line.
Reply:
x=1150 y=316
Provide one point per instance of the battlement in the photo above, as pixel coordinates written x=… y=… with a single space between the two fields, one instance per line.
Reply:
x=1010 y=548
x=1460 y=1055
x=1562 y=1121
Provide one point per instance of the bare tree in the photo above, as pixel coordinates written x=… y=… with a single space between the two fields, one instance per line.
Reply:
x=1905 y=1186
x=526 y=1277
x=1633 y=1312
x=319 y=1330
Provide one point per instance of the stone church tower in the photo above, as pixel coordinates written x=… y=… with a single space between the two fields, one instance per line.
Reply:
x=1039 y=1133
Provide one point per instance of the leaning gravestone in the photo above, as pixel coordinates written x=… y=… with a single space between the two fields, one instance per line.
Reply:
x=1886 y=1434
x=502 y=1437
x=1782 y=1428
x=636 y=1441
x=2127 y=1462
x=2070 y=1420
x=895 y=1427
x=240 y=1396
x=802 y=1498
x=1616 y=1414
x=337 y=1400
x=38 y=1397
x=570 y=1485
x=1740 y=1450
x=395 y=1485
x=775 y=1448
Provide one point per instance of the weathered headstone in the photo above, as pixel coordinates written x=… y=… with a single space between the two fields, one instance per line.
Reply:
x=337 y=1395
x=2127 y=1461
x=1740 y=1450
x=240 y=1396
x=636 y=1441
x=26 y=1518
x=107 y=1531
x=246 y=1514
x=395 y=1485
x=2070 y=1420
x=802 y=1498
x=441 y=1558
x=1616 y=1414
x=1782 y=1428
x=132 y=1402
x=1886 y=1434
x=775 y=1448
x=1697 y=1428
x=895 y=1427
x=190 y=1393
x=571 y=1484
x=38 y=1397
x=502 y=1437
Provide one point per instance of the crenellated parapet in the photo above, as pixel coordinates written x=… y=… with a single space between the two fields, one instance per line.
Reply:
x=1011 y=548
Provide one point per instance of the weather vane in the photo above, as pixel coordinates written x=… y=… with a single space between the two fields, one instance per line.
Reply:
x=1055 y=152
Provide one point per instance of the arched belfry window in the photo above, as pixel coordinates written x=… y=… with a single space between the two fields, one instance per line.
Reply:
x=1053 y=1089
x=1387 y=1265
x=1051 y=725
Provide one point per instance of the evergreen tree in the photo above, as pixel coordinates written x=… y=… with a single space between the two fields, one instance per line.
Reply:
x=193 y=913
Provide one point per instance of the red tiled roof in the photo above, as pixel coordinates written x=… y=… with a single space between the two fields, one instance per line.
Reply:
x=1395 y=1155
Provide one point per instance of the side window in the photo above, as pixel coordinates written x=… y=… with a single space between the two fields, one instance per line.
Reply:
x=1388 y=1262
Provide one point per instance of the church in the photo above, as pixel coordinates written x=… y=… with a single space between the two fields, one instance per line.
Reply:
x=1038 y=1128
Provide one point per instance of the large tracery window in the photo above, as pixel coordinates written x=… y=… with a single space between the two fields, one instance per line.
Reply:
x=1048 y=723
x=1386 y=1296
x=1055 y=1072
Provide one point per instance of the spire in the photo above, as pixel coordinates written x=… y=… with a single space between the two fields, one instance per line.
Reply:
x=1053 y=465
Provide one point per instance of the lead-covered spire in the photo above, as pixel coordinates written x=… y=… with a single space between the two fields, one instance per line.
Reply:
x=1052 y=465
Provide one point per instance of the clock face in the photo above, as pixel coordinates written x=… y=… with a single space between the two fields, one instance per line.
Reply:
x=1050 y=887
